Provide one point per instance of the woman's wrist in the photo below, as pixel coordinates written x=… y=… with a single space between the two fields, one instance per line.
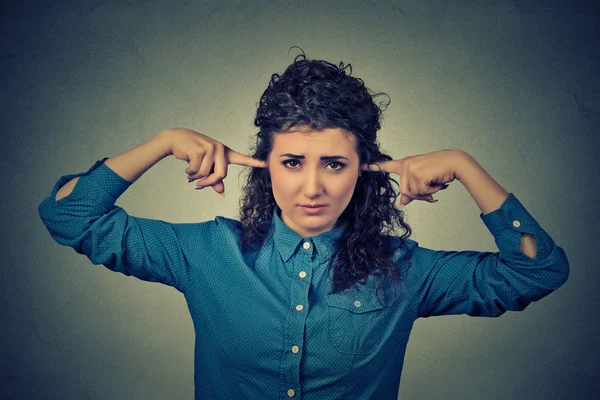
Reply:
x=165 y=138
x=465 y=166
x=486 y=192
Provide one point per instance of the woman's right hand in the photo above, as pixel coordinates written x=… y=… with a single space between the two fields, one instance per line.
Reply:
x=208 y=159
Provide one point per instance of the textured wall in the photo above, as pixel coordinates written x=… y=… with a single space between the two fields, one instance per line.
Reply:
x=513 y=83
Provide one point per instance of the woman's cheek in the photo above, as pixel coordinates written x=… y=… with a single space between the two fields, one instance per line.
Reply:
x=346 y=188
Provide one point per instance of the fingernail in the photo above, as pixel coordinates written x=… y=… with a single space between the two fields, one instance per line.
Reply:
x=199 y=187
x=432 y=201
x=222 y=194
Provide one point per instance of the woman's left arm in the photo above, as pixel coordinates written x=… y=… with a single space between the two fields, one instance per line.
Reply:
x=527 y=267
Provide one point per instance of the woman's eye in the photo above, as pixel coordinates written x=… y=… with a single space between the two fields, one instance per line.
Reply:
x=287 y=162
x=340 y=166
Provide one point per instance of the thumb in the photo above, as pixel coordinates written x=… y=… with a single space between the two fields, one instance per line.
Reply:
x=219 y=187
x=404 y=200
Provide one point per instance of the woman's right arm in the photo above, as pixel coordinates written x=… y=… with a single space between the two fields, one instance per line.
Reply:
x=84 y=216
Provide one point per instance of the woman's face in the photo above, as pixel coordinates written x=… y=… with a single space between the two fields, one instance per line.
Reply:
x=313 y=167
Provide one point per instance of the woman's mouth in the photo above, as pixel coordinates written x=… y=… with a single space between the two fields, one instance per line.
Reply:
x=312 y=209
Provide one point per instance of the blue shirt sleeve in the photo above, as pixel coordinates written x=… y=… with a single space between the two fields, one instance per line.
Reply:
x=488 y=284
x=89 y=221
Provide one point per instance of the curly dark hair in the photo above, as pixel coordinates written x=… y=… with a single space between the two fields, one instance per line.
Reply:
x=316 y=94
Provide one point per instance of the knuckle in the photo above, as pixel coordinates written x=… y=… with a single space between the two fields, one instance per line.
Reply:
x=413 y=168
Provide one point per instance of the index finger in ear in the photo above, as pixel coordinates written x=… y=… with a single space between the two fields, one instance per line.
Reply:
x=233 y=157
x=376 y=167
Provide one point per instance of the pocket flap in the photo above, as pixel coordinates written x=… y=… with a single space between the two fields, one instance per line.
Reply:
x=359 y=304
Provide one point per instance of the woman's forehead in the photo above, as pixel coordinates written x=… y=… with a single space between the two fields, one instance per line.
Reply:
x=315 y=142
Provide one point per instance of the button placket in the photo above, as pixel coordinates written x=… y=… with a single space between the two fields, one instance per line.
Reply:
x=304 y=261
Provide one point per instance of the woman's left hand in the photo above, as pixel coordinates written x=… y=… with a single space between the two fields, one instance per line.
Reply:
x=422 y=175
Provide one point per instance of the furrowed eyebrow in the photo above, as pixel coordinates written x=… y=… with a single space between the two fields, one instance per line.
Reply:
x=326 y=158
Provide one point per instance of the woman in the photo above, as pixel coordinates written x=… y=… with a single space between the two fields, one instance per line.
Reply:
x=310 y=295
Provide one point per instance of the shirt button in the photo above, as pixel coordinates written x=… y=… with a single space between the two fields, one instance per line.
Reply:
x=357 y=304
x=291 y=393
x=295 y=349
x=516 y=223
x=302 y=274
x=299 y=307
x=306 y=246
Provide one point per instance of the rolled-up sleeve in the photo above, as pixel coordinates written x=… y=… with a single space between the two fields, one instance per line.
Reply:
x=487 y=284
x=89 y=221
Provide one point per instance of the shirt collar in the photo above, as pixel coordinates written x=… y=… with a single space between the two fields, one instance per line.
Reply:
x=287 y=241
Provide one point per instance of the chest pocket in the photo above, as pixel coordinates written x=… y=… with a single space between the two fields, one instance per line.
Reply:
x=356 y=323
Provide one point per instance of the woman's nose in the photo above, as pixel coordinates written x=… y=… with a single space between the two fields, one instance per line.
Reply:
x=312 y=184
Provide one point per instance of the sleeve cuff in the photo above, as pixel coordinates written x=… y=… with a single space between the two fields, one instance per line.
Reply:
x=99 y=182
x=108 y=179
x=512 y=218
x=511 y=215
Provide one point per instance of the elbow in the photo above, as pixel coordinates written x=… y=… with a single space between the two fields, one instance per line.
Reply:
x=550 y=276
x=552 y=262
x=64 y=226
x=66 y=189
x=557 y=270
x=44 y=211
x=528 y=245
x=562 y=268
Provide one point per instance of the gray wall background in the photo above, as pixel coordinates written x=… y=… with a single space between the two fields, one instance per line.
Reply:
x=513 y=83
